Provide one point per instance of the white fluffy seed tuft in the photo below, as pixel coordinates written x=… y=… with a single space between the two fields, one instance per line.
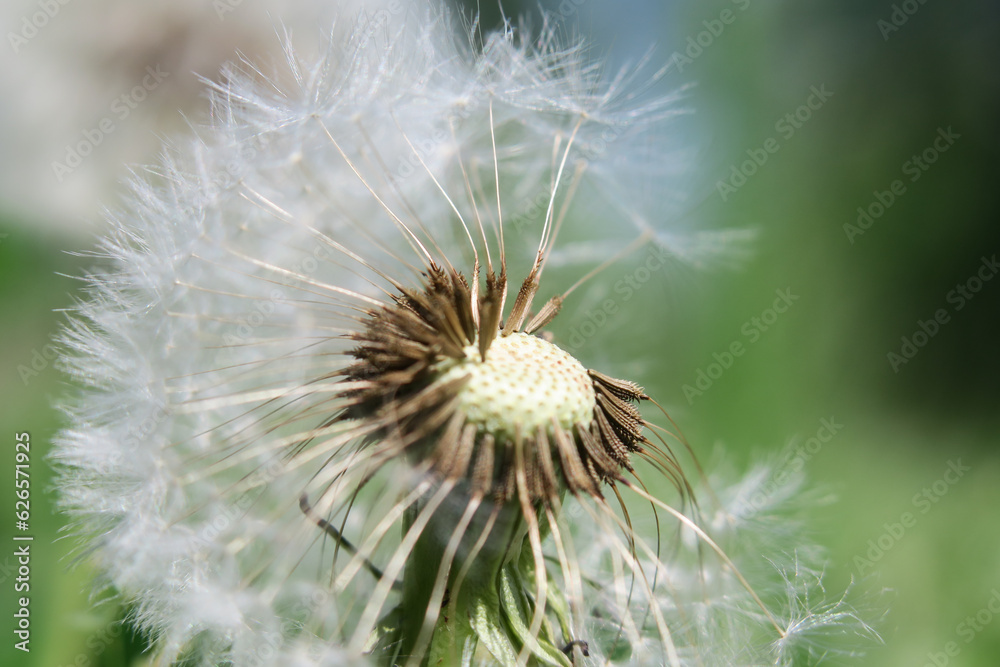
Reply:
x=204 y=348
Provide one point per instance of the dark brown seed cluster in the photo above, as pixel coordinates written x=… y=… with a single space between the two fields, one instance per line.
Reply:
x=395 y=388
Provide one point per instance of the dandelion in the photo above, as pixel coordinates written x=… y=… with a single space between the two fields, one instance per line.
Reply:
x=322 y=421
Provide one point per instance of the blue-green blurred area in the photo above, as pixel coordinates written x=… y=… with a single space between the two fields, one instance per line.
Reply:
x=893 y=79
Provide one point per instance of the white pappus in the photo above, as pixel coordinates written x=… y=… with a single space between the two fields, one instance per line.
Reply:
x=317 y=425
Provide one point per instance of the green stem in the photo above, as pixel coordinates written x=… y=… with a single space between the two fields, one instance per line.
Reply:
x=494 y=606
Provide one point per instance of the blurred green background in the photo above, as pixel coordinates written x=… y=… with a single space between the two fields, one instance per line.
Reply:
x=894 y=77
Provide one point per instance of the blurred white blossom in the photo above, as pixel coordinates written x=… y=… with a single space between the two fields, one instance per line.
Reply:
x=76 y=109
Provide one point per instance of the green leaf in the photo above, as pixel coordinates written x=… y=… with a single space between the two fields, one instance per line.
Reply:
x=518 y=612
x=489 y=627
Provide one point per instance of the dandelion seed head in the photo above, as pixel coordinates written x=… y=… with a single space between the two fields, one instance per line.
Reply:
x=318 y=417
